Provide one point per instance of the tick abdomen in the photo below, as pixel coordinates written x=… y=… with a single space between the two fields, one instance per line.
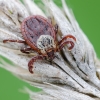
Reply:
x=33 y=28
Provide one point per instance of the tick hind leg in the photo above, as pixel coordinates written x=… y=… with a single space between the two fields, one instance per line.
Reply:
x=11 y=40
x=56 y=29
x=50 y=20
x=31 y=62
x=23 y=50
x=55 y=26
x=64 y=41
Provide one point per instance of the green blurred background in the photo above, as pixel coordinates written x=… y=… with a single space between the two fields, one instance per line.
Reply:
x=87 y=13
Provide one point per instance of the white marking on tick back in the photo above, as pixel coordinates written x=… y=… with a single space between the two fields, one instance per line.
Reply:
x=45 y=42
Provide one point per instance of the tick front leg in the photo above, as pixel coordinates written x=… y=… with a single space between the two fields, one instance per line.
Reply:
x=31 y=62
x=10 y=40
x=64 y=41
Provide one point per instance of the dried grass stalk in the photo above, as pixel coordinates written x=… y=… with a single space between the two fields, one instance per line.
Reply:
x=74 y=75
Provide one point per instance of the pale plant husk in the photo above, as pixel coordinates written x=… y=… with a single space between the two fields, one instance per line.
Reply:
x=71 y=78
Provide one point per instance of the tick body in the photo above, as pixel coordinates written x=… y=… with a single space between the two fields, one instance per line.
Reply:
x=40 y=35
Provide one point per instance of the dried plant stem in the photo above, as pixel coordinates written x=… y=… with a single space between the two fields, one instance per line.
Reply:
x=72 y=75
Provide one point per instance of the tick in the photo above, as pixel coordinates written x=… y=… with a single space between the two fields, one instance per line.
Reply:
x=39 y=34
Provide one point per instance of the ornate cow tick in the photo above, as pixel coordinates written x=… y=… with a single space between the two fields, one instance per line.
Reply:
x=40 y=35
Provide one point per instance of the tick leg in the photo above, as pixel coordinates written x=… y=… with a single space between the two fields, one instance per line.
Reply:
x=31 y=62
x=67 y=42
x=25 y=50
x=64 y=41
x=56 y=29
x=50 y=20
x=65 y=38
x=10 y=40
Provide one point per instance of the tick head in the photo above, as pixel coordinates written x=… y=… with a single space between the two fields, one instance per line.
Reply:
x=50 y=54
